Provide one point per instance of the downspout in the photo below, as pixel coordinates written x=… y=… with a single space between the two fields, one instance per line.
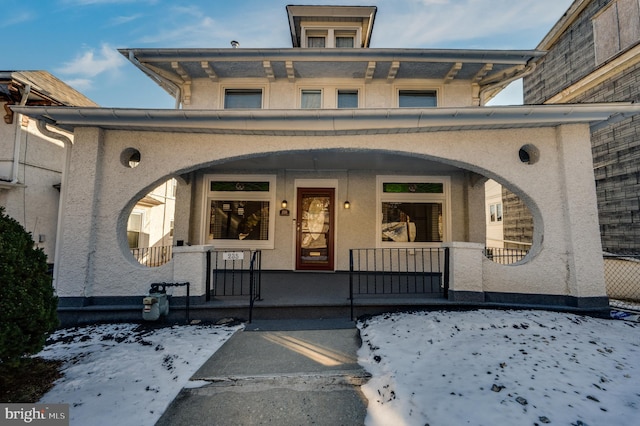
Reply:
x=18 y=140
x=42 y=127
x=161 y=81
x=530 y=68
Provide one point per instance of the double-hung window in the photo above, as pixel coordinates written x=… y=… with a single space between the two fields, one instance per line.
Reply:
x=243 y=98
x=311 y=99
x=240 y=211
x=413 y=210
x=417 y=98
x=347 y=98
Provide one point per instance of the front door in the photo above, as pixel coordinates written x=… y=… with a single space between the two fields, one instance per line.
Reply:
x=314 y=229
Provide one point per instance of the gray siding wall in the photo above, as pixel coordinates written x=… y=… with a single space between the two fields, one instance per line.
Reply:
x=616 y=148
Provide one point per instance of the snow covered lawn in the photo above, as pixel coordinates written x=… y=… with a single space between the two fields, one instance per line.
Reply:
x=126 y=374
x=438 y=368
x=500 y=368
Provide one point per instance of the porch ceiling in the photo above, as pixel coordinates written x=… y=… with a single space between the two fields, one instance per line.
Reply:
x=337 y=160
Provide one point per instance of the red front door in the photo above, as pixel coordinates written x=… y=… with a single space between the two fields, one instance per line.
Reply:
x=314 y=226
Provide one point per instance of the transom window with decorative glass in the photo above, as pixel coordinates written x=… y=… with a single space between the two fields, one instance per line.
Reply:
x=243 y=98
x=239 y=211
x=417 y=98
x=412 y=210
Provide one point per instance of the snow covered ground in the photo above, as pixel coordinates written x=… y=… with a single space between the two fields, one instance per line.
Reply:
x=438 y=368
x=125 y=374
x=501 y=368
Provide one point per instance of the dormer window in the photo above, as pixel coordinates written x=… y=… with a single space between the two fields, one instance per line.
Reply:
x=331 y=37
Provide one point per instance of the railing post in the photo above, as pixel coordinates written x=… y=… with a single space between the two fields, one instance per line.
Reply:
x=208 y=276
x=446 y=273
x=351 y=281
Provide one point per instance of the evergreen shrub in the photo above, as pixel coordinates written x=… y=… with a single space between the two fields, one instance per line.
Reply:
x=27 y=301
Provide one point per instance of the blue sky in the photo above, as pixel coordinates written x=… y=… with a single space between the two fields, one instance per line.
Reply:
x=76 y=40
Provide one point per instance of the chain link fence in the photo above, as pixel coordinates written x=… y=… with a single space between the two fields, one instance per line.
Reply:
x=622 y=276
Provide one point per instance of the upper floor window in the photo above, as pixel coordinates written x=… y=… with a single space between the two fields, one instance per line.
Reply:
x=616 y=28
x=417 y=98
x=243 y=98
x=345 y=38
x=347 y=98
x=495 y=212
x=311 y=99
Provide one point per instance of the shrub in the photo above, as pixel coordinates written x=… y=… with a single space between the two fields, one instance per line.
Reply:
x=27 y=301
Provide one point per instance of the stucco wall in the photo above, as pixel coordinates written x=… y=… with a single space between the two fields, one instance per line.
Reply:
x=207 y=94
x=559 y=190
x=34 y=203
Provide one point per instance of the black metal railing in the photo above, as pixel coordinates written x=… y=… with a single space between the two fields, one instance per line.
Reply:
x=401 y=271
x=622 y=277
x=234 y=273
x=505 y=256
x=152 y=256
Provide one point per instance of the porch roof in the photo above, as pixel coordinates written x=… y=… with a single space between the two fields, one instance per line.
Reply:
x=331 y=121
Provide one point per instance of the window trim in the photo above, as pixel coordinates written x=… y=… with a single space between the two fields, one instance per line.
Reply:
x=269 y=196
x=444 y=199
x=496 y=221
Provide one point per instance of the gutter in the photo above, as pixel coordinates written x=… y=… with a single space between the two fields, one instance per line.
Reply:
x=42 y=127
x=18 y=139
x=161 y=81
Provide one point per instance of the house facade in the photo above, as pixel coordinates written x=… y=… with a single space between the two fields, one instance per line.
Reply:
x=31 y=156
x=309 y=152
x=594 y=56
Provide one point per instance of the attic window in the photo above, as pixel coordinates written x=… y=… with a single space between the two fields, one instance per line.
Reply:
x=345 y=39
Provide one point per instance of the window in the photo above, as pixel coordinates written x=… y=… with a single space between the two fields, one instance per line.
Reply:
x=311 y=99
x=239 y=211
x=134 y=229
x=316 y=41
x=243 y=98
x=347 y=99
x=417 y=98
x=412 y=210
x=345 y=39
x=616 y=28
x=495 y=212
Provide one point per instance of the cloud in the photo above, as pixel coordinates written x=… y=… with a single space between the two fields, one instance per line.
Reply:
x=90 y=64
x=80 y=84
x=101 y=2
x=15 y=18
x=121 y=20
x=431 y=23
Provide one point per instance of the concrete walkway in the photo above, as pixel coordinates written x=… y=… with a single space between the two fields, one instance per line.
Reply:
x=279 y=372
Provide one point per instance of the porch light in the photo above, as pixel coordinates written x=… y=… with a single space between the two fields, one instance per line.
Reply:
x=347 y=205
x=284 y=204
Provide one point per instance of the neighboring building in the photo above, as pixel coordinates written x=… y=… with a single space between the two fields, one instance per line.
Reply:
x=493 y=209
x=32 y=158
x=594 y=57
x=270 y=144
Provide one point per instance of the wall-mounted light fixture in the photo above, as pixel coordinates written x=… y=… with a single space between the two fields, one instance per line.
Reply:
x=347 y=204
x=283 y=204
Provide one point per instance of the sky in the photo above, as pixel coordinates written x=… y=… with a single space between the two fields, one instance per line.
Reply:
x=485 y=367
x=77 y=40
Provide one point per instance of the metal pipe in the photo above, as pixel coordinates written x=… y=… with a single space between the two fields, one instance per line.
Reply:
x=16 y=145
x=42 y=127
